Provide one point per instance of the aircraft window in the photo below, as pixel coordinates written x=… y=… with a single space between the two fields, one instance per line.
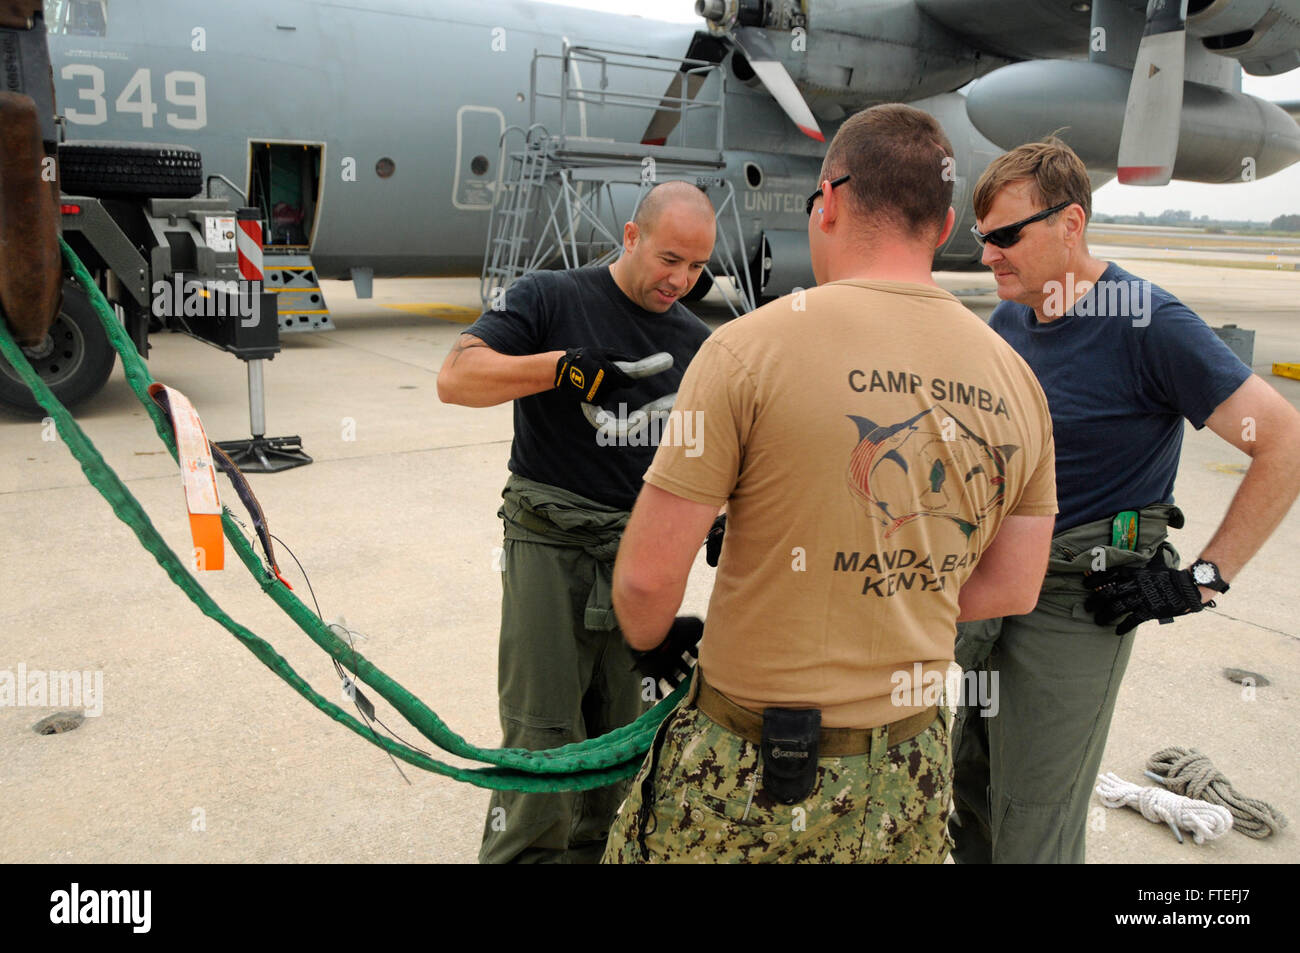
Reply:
x=478 y=165
x=385 y=167
x=753 y=175
x=77 y=17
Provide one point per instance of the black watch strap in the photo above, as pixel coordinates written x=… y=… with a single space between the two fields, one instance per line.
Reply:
x=1206 y=573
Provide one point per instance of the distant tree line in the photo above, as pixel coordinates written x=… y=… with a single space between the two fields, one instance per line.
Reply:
x=1183 y=218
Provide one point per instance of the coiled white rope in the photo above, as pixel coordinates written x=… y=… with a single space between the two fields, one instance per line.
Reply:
x=1204 y=821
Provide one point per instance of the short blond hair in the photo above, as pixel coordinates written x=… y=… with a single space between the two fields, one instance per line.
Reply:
x=1055 y=173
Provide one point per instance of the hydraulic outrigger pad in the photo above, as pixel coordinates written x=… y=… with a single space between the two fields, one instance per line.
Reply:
x=262 y=454
x=266 y=454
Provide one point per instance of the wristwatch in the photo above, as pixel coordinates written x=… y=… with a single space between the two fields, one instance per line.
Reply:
x=1205 y=573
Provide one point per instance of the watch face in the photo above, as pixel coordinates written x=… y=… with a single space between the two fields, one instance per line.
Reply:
x=1203 y=573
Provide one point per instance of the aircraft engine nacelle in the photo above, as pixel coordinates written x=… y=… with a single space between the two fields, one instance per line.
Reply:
x=1262 y=35
x=782 y=243
x=972 y=153
x=1223 y=136
x=1224 y=17
x=772 y=188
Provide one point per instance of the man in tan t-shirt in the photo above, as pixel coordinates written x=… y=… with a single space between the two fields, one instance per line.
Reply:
x=886 y=462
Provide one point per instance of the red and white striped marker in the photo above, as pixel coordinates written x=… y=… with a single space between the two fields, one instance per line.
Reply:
x=248 y=244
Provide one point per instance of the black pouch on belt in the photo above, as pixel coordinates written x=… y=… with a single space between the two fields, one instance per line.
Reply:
x=789 y=752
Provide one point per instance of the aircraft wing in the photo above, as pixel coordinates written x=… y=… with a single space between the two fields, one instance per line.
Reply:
x=1020 y=29
x=1261 y=35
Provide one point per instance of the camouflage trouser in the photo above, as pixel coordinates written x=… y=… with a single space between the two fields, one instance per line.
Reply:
x=709 y=806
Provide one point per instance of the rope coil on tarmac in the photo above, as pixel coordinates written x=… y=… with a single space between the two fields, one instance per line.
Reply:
x=1205 y=821
x=1186 y=771
x=574 y=767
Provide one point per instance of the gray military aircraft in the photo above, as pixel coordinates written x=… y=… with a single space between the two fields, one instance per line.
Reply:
x=377 y=135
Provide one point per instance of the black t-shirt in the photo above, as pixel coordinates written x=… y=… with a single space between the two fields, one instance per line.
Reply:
x=557 y=310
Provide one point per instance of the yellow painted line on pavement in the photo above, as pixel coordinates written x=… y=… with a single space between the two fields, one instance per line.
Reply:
x=1287 y=370
x=1234 y=468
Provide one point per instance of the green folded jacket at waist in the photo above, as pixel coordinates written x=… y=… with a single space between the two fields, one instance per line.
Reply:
x=540 y=513
x=1087 y=548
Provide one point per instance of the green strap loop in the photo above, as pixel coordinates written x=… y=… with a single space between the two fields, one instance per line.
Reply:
x=574 y=767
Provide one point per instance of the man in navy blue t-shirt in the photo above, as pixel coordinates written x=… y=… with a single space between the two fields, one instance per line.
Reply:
x=551 y=346
x=1123 y=363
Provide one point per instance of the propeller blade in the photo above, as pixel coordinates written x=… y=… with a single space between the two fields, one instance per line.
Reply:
x=1149 y=141
x=684 y=86
x=758 y=49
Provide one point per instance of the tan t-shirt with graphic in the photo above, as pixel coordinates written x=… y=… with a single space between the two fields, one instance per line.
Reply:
x=867 y=447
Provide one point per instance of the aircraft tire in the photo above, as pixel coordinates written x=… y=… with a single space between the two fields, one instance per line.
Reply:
x=75 y=359
x=117 y=169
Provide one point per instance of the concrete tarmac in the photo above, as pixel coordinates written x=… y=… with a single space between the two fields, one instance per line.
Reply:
x=202 y=755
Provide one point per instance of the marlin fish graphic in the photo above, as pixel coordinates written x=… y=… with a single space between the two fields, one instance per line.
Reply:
x=907 y=470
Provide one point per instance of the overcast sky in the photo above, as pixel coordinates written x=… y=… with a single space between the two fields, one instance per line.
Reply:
x=1260 y=200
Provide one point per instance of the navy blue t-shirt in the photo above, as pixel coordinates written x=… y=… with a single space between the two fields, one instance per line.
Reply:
x=1121 y=370
x=557 y=310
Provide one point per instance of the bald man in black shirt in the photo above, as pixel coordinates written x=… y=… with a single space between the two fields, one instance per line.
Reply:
x=565 y=674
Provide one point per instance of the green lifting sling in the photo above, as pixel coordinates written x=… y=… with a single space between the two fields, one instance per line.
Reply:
x=574 y=767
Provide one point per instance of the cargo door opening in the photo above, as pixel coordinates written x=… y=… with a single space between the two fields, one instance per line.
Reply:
x=284 y=184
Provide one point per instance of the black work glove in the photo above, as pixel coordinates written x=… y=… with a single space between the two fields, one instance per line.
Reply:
x=588 y=373
x=670 y=662
x=713 y=542
x=1153 y=591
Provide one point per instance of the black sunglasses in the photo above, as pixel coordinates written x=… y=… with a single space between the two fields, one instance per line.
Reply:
x=1008 y=235
x=813 y=198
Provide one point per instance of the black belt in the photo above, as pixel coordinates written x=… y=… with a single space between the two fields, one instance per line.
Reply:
x=833 y=743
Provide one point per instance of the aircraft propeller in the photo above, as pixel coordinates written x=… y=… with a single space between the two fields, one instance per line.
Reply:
x=1149 y=141
x=727 y=31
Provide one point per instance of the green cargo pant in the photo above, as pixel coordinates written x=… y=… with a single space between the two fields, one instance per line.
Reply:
x=709 y=806
x=558 y=682
x=1023 y=778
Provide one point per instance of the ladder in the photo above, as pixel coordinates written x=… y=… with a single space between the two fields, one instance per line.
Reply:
x=556 y=204
x=509 y=244
x=292 y=277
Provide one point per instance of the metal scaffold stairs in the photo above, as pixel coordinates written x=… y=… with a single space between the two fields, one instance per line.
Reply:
x=563 y=197
x=509 y=243
x=292 y=277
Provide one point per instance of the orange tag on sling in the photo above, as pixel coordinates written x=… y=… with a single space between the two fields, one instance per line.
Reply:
x=199 y=479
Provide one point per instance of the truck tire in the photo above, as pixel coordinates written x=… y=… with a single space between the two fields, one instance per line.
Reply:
x=75 y=358
x=121 y=169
